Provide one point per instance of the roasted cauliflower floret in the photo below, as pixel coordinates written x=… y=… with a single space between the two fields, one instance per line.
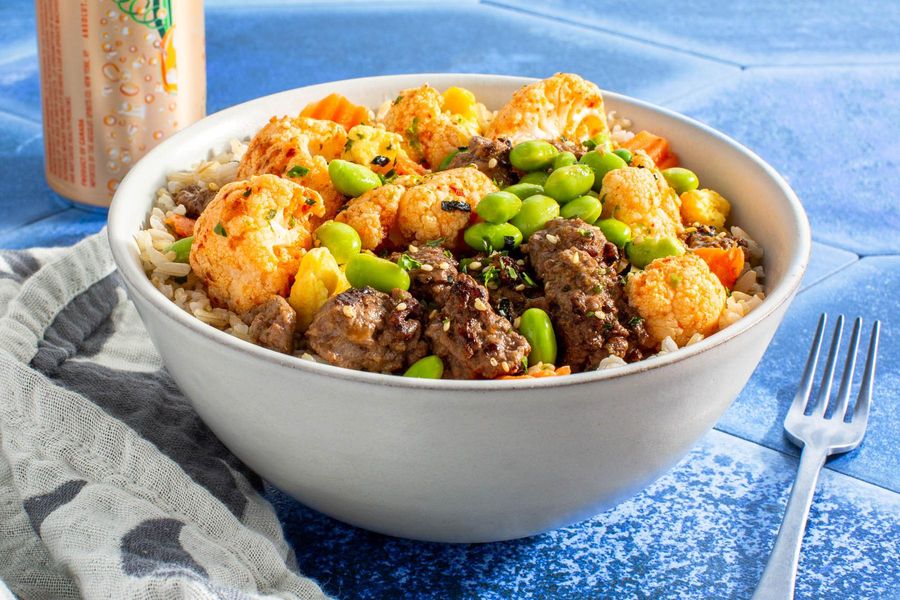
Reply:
x=442 y=205
x=642 y=199
x=374 y=214
x=677 y=296
x=429 y=132
x=378 y=149
x=249 y=241
x=318 y=279
x=704 y=207
x=563 y=106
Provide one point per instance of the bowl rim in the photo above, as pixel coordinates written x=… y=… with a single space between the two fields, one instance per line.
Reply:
x=132 y=272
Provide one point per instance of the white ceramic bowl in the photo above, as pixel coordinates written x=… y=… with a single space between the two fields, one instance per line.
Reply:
x=463 y=461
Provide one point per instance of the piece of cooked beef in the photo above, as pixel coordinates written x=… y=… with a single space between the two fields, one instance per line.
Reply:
x=272 y=324
x=433 y=271
x=194 y=198
x=510 y=286
x=491 y=157
x=564 y=145
x=708 y=236
x=473 y=341
x=368 y=330
x=584 y=295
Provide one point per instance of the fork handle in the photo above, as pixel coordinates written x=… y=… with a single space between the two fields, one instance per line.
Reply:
x=778 y=579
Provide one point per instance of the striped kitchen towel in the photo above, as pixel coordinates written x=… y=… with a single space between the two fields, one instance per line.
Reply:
x=110 y=485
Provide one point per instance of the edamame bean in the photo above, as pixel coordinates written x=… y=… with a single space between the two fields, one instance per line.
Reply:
x=523 y=190
x=625 y=154
x=567 y=183
x=535 y=212
x=182 y=249
x=341 y=240
x=492 y=236
x=532 y=155
x=586 y=208
x=645 y=251
x=681 y=180
x=615 y=231
x=498 y=207
x=383 y=275
x=430 y=367
x=352 y=179
x=537 y=328
x=536 y=177
x=564 y=159
x=602 y=163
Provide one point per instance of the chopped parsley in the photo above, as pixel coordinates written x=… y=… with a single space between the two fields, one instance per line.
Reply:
x=348 y=144
x=398 y=99
x=292 y=221
x=247 y=192
x=381 y=161
x=297 y=171
x=407 y=262
x=586 y=233
x=634 y=321
x=490 y=274
x=219 y=230
x=511 y=271
x=413 y=133
x=271 y=214
x=434 y=243
x=528 y=280
x=455 y=205
x=310 y=201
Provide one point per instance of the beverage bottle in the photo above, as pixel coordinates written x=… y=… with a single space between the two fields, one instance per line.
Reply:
x=117 y=77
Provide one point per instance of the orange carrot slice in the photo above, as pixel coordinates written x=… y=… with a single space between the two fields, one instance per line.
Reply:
x=656 y=148
x=726 y=264
x=337 y=108
x=182 y=226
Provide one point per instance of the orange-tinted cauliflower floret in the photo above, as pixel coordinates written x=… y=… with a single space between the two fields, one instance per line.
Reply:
x=373 y=214
x=641 y=198
x=429 y=132
x=677 y=296
x=563 y=106
x=366 y=143
x=249 y=241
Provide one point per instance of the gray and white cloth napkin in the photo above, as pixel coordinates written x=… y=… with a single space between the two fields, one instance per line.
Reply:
x=110 y=485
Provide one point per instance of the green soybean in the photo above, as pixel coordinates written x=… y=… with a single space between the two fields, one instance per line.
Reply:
x=681 y=180
x=564 y=159
x=430 y=367
x=341 y=240
x=182 y=249
x=492 y=236
x=352 y=179
x=383 y=275
x=532 y=155
x=523 y=190
x=567 y=183
x=645 y=251
x=615 y=231
x=602 y=163
x=586 y=208
x=625 y=154
x=537 y=328
x=536 y=177
x=498 y=207
x=535 y=212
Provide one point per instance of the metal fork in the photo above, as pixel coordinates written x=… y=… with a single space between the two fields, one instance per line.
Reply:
x=820 y=434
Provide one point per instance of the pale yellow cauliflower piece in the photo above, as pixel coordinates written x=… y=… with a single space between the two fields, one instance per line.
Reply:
x=298 y=148
x=642 y=199
x=704 y=207
x=563 y=106
x=677 y=296
x=429 y=131
x=429 y=210
x=365 y=142
x=374 y=214
x=318 y=279
x=249 y=241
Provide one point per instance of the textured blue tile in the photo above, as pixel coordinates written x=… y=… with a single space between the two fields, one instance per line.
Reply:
x=19 y=34
x=824 y=262
x=702 y=531
x=766 y=32
x=20 y=87
x=867 y=289
x=831 y=133
x=62 y=229
x=311 y=44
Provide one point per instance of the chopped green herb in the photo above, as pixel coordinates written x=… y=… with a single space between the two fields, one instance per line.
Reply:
x=247 y=192
x=490 y=274
x=634 y=321
x=455 y=205
x=271 y=214
x=310 y=201
x=586 y=233
x=297 y=171
x=219 y=230
x=674 y=280
x=434 y=243
x=413 y=132
x=348 y=144
x=525 y=363
x=528 y=280
x=381 y=161
x=408 y=263
x=398 y=99
x=292 y=221
x=590 y=314
x=511 y=271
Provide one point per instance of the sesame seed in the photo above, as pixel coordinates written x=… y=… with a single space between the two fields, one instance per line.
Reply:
x=505 y=366
x=413 y=248
x=427 y=268
x=552 y=238
x=576 y=258
x=348 y=311
x=401 y=306
x=494 y=362
x=517 y=322
x=432 y=314
x=492 y=163
x=480 y=304
x=444 y=265
x=213 y=186
x=521 y=262
x=474 y=265
x=520 y=287
x=446 y=325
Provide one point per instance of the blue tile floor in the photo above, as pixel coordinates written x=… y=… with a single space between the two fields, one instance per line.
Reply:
x=814 y=89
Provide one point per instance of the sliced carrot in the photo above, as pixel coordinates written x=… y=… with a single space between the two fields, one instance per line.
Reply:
x=726 y=264
x=656 y=148
x=182 y=226
x=337 y=108
x=537 y=373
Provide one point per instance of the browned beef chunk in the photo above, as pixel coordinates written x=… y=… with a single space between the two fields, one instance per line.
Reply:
x=194 y=198
x=584 y=295
x=431 y=272
x=491 y=157
x=575 y=148
x=272 y=324
x=510 y=286
x=473 y=341
x=707 y=236
x=368 y=330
